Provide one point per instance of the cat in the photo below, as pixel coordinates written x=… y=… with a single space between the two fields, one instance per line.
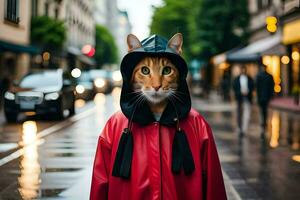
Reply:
x=156 y=80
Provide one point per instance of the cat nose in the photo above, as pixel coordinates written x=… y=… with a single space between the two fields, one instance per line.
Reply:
x=156 y=88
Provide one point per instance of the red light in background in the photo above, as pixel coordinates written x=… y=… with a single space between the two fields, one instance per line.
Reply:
x=91 y=53
x=88 y=50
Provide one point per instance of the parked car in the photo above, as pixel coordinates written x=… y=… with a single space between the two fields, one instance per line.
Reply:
x=84 y=86
x=45 y=92
x=102 y=80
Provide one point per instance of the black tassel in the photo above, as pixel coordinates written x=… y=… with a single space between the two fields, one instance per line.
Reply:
x=122 y=164
x=182 y=155
x=127 y=157
x=188 y=161
x=176 y=155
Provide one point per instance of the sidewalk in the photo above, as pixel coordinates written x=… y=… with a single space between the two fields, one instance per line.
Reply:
x=232 y=179
x=286 y=104
x=252 y=168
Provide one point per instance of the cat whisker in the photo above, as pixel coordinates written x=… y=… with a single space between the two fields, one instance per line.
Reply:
x=135 y=92
x=173 y=95
x=138 y=98
x=176 y=91
x=140 y=101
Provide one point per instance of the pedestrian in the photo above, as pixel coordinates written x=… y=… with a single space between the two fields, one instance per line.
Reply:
x=243 y=86
x=157 y=147
x=265 y=92
x=225 y=85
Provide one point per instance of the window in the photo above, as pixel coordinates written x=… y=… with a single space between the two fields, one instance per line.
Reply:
x=46 y=9
x=34 y=7
x=56 y=12
x=43 y=79
x=12 y=11
x=261 y=4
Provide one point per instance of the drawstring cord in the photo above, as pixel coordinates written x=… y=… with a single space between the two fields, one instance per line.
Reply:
x=122 y=164
x=181 y=153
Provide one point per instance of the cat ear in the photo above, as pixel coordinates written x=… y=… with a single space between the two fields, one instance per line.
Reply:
x=133 y=42
x=176 y=42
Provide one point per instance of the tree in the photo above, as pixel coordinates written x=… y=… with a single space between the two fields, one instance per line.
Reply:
x=47 y=32
x=209 y=27
x=106 y=48
x=218 y=26
x=171 y=18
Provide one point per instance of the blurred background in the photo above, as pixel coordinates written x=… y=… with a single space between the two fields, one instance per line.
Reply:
x=60 y=82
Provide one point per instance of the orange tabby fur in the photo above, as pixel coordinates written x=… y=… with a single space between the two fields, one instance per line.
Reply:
x=155 y=86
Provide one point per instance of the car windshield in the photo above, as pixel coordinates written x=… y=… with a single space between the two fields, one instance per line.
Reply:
x=100 y=74
x=38 y=80
x=85 y=77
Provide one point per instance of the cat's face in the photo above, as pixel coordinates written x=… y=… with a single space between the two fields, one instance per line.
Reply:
x=155 y=78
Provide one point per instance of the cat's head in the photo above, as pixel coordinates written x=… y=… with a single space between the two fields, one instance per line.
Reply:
x=155 y=77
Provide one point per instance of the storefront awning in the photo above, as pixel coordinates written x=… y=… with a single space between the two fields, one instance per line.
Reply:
x=291 y=33
x=17 y=48
x=222 y=58
x=253 y=52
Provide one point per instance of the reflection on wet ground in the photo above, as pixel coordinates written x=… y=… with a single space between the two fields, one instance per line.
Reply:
x=29 y=171
x=283 y=128
x=260 y=169
x=60 y=165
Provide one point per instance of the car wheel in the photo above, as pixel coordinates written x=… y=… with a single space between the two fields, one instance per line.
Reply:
x=11 y=117
x=60 y=112
x=72 y=109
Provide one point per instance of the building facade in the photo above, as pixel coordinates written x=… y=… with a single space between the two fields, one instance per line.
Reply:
x=124 y=28
x=116 y=21
x=80 y=25
x=291 y=39
x=15 y=49
x=274 y=41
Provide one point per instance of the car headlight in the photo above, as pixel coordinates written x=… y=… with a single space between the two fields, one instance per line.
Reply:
x=79 y=89
x=52 y=96
x=99 y=82
x=117 y=76
x=9 y=95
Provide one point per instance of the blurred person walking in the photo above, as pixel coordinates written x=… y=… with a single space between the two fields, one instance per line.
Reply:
x=243 y=86
x=225 y=86
x=265 y=92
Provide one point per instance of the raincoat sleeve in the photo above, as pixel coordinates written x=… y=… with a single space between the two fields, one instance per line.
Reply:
x=213 y=184
x=101 y=169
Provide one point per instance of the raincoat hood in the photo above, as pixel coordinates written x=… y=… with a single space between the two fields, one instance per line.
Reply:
x=139 y=112
x=177 y=108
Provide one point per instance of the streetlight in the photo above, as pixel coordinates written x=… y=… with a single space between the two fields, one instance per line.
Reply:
x=271 y=23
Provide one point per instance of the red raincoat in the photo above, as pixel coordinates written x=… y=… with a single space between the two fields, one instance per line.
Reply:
x=151 y=174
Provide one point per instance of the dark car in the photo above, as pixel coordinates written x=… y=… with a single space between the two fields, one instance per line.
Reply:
x=46 y=92
x=84 y=86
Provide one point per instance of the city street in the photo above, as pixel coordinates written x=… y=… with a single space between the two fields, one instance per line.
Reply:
x=48 y=159
x=54 y=159
x=62 y=66
x=255 y=168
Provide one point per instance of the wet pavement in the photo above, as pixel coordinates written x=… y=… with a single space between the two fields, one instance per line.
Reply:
x=48 y=159
x=256 y=168
x=53 y=160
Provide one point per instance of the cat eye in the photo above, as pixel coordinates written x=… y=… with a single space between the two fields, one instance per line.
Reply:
x=166 y=70
x=145 y=70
